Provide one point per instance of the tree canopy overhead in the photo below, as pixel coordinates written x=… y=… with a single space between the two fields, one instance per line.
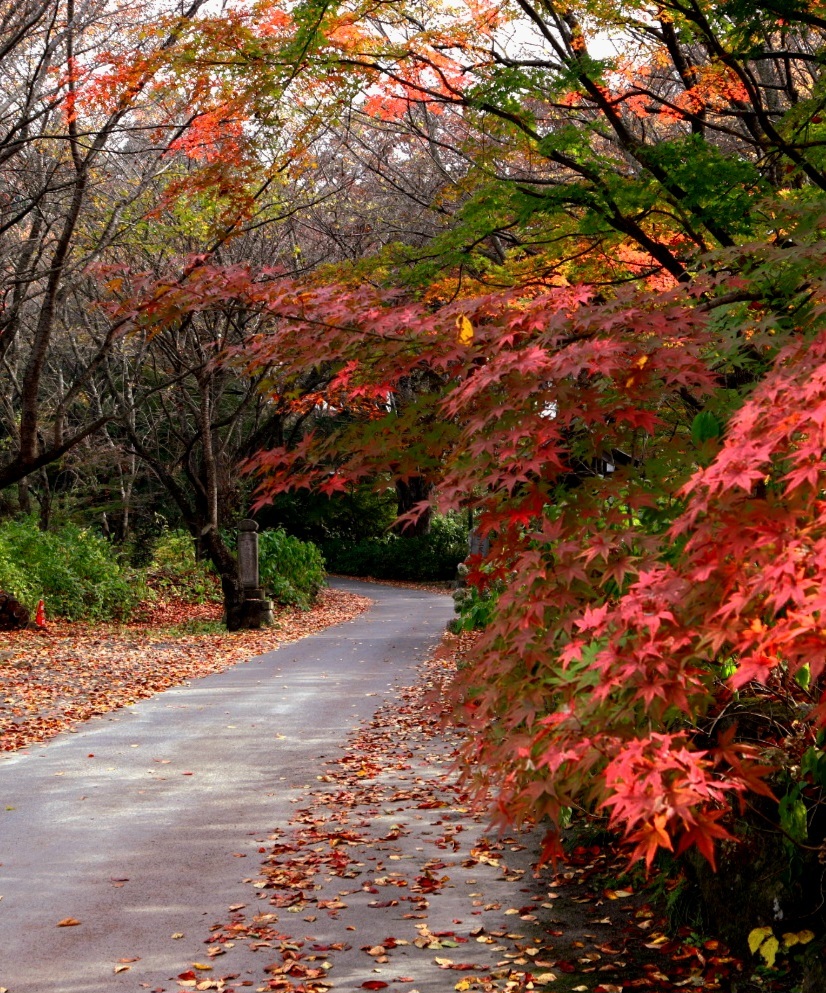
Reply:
x=557 y=265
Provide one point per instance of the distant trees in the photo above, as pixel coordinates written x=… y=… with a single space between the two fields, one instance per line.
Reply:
x=83 y=144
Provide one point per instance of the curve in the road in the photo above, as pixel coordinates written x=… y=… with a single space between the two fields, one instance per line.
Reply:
x=139 y=824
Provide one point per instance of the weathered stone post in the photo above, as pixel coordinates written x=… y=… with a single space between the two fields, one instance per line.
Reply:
x=256 y=610
x=477 y=545
x=248 y=557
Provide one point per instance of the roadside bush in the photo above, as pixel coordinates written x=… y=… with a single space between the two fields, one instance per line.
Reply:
x=174 y=571
x=476 y=608
x=433 y=556
x=75 y=570
x=292 y=571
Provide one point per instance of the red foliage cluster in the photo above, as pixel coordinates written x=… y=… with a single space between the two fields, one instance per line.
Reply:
x=635 y=579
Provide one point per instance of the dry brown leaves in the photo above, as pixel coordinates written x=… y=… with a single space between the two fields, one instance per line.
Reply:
x=50 y=681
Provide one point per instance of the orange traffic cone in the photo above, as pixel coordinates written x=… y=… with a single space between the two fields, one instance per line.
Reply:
x=40 y=616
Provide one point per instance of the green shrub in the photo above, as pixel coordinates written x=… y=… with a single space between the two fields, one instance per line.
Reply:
x=315 y=517
x=75 y=570
x=433 y=556
x=476 y=608
x=292 y=571
x=173 y=570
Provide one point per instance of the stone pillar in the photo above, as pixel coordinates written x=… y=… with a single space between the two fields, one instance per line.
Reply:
x=477 y=545
x=248 y=558
x=255 y=608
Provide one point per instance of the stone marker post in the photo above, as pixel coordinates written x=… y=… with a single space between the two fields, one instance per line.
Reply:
x=248 y=557
x=477 y=545
x=256 y=610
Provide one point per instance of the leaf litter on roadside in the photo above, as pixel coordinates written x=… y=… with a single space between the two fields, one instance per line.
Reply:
x=396 y=780
x=50 y=682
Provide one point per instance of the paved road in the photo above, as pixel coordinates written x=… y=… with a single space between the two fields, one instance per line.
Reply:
x=134 y=824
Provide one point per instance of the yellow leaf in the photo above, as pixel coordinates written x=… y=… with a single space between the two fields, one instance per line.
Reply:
x=201 y=965
x=641 y=362
x=757 y=937
x=465 y=329
x=769 y=950
x=462 y=985
x=792 y=938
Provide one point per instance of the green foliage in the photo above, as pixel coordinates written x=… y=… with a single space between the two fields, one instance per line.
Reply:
x=718 y=188
x=174 y=570
x=793 y=815
x=476 y=608
x=422 y=558
x=292 y=571
x=361 y=513
x=704 y=427
x=813 y=764
x=74 y=570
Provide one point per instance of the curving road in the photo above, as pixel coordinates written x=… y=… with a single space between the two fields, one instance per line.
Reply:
x=139 y=823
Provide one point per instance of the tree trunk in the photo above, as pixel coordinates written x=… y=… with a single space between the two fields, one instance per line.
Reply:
x=212 y=547
x=410 y=492
x=44 y=498
x=24 y=496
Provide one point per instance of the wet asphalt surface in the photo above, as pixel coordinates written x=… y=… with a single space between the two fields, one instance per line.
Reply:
x=135 y=824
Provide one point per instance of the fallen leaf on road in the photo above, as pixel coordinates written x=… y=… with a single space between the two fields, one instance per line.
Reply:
x=68 y=922
x=87 y=670
x=122 y=968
